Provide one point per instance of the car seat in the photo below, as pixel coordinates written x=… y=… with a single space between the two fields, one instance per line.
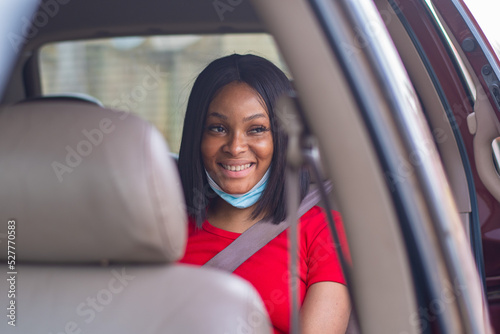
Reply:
x=98 y=215
x=68 y=97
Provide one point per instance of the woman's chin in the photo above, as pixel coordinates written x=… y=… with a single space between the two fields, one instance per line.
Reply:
x=236 y=191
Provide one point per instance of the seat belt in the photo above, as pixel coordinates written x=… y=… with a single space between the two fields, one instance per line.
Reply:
x=258 y=235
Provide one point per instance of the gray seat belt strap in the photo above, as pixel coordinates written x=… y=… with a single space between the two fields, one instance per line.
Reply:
x=258 y=235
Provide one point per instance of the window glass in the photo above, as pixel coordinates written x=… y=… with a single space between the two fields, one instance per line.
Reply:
x=149 y=76
x=486 y=14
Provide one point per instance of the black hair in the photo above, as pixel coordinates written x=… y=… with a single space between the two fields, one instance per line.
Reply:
x=270 y=83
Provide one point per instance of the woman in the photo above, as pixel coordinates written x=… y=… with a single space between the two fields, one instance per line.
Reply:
x=232 y=162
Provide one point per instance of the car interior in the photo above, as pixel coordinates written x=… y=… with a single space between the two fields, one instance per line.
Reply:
x=101 y=219
x=107 y=239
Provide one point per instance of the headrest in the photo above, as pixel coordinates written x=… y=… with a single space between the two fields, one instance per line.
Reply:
x=68 y=97
x=87 y=184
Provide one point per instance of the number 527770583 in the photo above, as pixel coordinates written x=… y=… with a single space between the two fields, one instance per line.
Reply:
x=11 y=243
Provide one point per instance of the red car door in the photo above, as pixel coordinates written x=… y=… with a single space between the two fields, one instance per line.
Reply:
x=474 y=116
x=480 y=143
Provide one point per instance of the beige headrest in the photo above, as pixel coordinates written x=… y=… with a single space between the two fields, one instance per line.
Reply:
x=87 y=184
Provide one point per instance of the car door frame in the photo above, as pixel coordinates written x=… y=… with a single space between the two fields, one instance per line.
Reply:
x=366 y=88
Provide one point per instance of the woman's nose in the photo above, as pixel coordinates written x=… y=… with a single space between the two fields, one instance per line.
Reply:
x=236 y=144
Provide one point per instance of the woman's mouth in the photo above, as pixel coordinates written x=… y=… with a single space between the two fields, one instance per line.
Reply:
x=236 y=168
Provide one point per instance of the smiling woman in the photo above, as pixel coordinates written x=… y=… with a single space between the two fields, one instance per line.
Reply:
x=237 y=145
x=232 y=163
x=258 y=83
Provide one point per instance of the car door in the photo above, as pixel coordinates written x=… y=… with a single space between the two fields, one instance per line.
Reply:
x=469 y=82
x=481 y=138
x=400 y=211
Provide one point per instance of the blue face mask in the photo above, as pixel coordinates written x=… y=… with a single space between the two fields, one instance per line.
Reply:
x=241 y=201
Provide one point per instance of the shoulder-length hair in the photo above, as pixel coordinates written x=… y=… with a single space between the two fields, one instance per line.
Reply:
x=270 y=83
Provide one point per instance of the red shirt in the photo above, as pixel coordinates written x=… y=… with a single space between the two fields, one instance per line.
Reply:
x=267 y=269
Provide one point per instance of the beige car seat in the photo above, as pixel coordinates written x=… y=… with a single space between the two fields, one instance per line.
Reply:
x=99 y=222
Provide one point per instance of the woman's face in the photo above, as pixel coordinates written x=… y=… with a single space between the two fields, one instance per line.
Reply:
x=237 y=143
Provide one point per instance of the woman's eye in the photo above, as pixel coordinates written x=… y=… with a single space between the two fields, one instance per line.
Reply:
x=259 y=129
x=216 y=128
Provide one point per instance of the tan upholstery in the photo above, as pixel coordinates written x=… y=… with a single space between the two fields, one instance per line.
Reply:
x=68 y=97
x=98 y=183
x=99 y=219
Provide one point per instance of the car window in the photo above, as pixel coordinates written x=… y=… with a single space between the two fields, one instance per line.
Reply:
x=150 y=76
x=486 y=14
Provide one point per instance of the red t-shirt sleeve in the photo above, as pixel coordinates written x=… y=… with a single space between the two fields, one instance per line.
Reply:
x=322 y=259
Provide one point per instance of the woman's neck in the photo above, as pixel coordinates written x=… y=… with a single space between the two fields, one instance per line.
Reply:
x=225 y=216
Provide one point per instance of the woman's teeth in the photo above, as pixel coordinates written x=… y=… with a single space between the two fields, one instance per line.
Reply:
x=236 y=168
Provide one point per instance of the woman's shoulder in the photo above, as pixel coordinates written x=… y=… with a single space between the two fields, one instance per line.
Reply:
x=315 y=227
x=315 y=222
x=317 y=216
